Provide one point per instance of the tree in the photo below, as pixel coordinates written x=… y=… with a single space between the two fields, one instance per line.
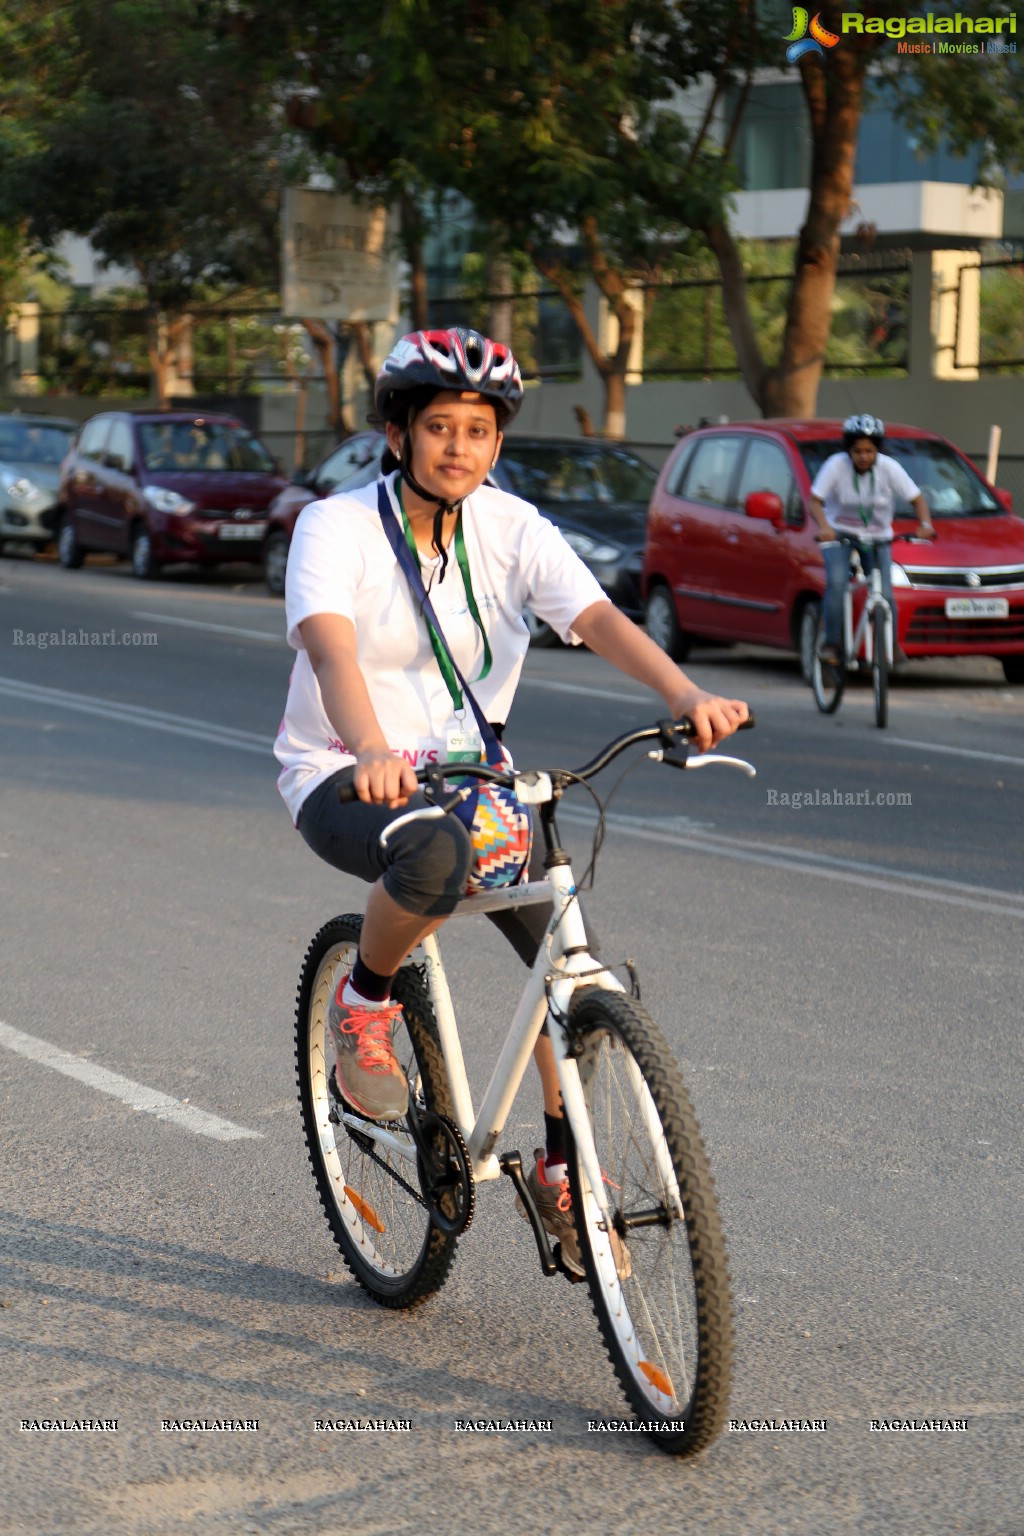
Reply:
x=146 y=139
x=942 y=99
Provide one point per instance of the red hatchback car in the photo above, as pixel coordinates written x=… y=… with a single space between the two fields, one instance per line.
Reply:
x=165 y=487
x=731 y=554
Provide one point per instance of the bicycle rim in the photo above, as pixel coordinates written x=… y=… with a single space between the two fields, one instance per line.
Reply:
x=660 y=1286
x=370 y=1191
x=880 y=670
x=828 y=680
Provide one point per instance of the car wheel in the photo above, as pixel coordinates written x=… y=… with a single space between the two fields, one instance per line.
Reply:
x=69 y=552
x=541 y=634
x=810 y=617
x=145 y=565
x=275 y=562
x=662 y=624
x=1013 y=668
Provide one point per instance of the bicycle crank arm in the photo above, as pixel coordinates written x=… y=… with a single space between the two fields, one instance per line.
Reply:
x=512 y=1164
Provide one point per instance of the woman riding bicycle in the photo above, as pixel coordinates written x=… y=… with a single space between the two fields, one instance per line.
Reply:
x=855 y=493
x=370 y=697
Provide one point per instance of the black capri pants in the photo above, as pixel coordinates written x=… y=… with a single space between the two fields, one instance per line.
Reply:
x=425 y=866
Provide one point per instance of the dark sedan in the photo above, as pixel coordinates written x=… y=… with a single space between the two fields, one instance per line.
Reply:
x=595 y=491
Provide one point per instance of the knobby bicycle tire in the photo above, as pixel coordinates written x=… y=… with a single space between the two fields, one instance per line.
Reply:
x=370 y=1195
x=660 y=1284
x=880 y=669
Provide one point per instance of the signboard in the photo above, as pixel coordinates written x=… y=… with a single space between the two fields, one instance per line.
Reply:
x=338 y=258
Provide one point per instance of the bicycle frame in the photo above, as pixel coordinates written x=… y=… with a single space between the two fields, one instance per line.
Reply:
x=859 y=641
x=563 y=961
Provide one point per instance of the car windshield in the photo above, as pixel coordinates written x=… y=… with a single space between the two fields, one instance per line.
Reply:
x=952 y=488
x=553 y=472
x=33 y=442
x=187 y=446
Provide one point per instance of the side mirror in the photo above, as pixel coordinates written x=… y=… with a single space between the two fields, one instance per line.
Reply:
x=1005 y=497
x=766 y=506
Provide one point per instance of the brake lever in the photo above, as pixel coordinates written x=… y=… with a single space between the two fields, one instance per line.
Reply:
x=700 y=760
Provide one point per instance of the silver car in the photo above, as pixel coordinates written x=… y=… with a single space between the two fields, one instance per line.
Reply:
x=31 y=450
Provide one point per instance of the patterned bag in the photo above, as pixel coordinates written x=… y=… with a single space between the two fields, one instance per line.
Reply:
x=502 y=832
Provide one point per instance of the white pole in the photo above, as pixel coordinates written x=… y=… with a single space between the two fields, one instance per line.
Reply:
x=994 y=436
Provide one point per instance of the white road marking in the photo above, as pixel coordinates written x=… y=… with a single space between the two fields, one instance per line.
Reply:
x=876 y=877
x=135 y=714
x=216 y=629
x=135 y=1095
x=934 y=746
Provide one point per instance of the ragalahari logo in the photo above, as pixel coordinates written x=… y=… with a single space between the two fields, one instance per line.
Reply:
x=800 y=44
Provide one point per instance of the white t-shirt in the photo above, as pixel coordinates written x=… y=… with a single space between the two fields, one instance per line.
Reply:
x=849 y=498
x=340 y=561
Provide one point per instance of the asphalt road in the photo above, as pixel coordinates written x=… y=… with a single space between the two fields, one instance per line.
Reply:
x=842 y=980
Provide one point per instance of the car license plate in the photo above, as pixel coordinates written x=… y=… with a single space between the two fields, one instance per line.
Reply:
x=241 y=530
x=977 y=607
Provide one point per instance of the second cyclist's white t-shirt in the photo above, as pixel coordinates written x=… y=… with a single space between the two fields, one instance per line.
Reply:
x=341 y=561
x=862 y=503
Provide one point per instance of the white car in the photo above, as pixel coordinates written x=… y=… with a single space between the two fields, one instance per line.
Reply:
x=31 y=450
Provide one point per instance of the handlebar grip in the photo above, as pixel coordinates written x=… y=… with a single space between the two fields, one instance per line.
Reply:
x=346 y=792
x=685 y=725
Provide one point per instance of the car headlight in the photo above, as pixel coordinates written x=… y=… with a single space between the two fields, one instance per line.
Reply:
x=22 y=492
x=164 y=500
x=899 y=576
x=589 y=549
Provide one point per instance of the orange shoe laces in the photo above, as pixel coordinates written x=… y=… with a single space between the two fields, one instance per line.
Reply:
x=372 y=1029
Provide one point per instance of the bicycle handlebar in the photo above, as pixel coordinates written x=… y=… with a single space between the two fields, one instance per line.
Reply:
x=670 y=734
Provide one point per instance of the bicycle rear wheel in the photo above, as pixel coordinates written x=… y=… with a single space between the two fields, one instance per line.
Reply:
x=880 y=669
x=828 y=680
x=370 y=1192
x=661 y=1288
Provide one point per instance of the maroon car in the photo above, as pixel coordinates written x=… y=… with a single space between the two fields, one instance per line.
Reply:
x=165 y=487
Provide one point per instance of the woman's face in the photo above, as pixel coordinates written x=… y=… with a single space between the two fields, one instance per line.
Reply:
x=455 y=441
x=863 y=452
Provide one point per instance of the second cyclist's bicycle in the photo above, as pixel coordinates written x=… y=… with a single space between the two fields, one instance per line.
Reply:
x=869 y=641
x=398 y=1195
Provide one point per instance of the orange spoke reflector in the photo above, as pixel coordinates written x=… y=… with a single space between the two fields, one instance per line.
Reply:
x=657 y=1378
x=368 y=1213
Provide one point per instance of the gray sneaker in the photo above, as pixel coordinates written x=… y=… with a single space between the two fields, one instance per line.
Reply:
x=368 y=1072
x=554 y=1206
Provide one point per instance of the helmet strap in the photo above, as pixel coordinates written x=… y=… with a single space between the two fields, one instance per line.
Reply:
x=444 y=508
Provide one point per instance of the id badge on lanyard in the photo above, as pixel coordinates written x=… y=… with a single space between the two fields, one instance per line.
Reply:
x=463 y=742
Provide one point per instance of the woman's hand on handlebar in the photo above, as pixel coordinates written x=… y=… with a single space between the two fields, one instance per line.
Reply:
x=381 y=778
x=714 y=718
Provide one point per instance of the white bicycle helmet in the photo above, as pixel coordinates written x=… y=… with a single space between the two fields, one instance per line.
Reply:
x=855 y=427
x=454 y=359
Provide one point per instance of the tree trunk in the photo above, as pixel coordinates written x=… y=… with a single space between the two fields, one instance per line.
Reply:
x=165 y=336
x=412 y=240
x=835 y=103
x=499 y=299
x=612 y=367
x=322 y=339
x=834 y=92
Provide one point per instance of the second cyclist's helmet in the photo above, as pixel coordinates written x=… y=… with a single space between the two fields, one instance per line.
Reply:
x=458 y=359
x=856 y=427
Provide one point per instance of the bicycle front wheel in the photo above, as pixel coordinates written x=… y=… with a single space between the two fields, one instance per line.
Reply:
x=370 y=1189
x=880 y=669
x=659 y=1280
x=828 y=680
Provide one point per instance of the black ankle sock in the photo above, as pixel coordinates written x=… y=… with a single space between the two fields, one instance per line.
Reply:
x=554 y=1138
x=370 y=984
